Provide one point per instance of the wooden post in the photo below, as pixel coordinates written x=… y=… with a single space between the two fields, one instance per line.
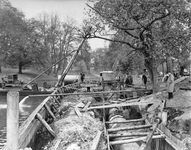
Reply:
x=46 y=125
x=157 y=144
x=96 y=141
x=50 y=112
x=12 y=120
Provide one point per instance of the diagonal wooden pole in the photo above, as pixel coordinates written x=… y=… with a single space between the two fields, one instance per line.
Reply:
x=68 y=67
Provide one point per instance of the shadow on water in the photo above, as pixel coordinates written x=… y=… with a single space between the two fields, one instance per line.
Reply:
x=25 y=109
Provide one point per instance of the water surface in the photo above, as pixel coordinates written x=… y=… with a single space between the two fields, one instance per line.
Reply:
x=25 y=109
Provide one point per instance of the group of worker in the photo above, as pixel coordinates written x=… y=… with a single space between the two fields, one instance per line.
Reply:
x=127 y=80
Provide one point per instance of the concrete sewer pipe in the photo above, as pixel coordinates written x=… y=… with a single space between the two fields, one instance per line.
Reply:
x=115 y=116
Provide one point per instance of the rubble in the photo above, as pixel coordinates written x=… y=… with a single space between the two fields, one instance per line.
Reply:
x=74 y=132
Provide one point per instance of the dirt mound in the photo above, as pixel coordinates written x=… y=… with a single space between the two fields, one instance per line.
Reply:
x=74 y=130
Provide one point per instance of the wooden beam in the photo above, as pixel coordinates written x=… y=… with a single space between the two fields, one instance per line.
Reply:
x=134 y=140
x=131 y=134
x=96 y=141
x=45 y=124
x=77 y=111
x=127 y=121
x=86 y=106
x=58 y=141
x=108 y=142
x=129 y=128
x=49 y=111
x=89 y=93
x=122 y=105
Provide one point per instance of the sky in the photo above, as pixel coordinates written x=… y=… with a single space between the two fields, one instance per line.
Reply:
x=64 y=8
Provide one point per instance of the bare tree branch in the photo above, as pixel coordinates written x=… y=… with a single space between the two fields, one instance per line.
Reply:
x=116 y=26
x=118 y=41
x=156 y=19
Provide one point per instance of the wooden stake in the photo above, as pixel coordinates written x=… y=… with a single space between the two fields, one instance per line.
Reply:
x=49 y=111
x=45 y=124
x=96 y=141
x=129 y=128
x=134 y=140
x=12 y=120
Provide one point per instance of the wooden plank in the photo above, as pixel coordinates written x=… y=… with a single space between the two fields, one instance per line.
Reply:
x=58 y=141
x=90 y=93
x=96 y=141
x=108 y=142
x=45 y=124
x=129 y=128
x=122 y=105
x=145 y=145
x=134 y=140
x=30 y=131
x=127 y=121
x=131 y=134
x=49 y=111
x=162 y=129
x=77 y=111
x=86 y=106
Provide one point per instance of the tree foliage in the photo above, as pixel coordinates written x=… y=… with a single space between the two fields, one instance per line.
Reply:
x=155 y=28
x=36 y=43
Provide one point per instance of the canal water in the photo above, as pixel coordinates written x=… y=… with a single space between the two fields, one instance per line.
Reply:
x=25 y=109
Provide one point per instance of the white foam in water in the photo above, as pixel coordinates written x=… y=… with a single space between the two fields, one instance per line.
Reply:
x=21 y=104
x=23 y=100
x=3 y=106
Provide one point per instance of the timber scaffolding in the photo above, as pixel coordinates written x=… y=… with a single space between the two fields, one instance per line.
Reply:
x=29 y=127
x=155 y=131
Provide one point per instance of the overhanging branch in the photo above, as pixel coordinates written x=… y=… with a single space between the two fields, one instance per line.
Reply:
x=156 y=19
x=118 y=41
x=126 y=30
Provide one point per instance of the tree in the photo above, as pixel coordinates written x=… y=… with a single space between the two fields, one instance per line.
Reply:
x=58 y=39
x=15 y=36
x=98 y=59
x=84 y=57
x=150 y=27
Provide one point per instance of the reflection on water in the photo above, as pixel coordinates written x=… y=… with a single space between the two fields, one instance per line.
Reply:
x=25 y=109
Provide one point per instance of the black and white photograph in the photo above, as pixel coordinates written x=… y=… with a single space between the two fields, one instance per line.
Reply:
x=95 y=75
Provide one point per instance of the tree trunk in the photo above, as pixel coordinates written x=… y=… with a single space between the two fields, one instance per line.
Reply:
x=152 y=68
x=169 y=64
x=20 y=67
x=0 y=70
x=181 y=70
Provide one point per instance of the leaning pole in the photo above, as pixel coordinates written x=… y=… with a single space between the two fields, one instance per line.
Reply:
x=60 y=81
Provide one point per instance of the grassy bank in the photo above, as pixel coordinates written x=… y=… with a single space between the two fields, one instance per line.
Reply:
x=28 y=75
